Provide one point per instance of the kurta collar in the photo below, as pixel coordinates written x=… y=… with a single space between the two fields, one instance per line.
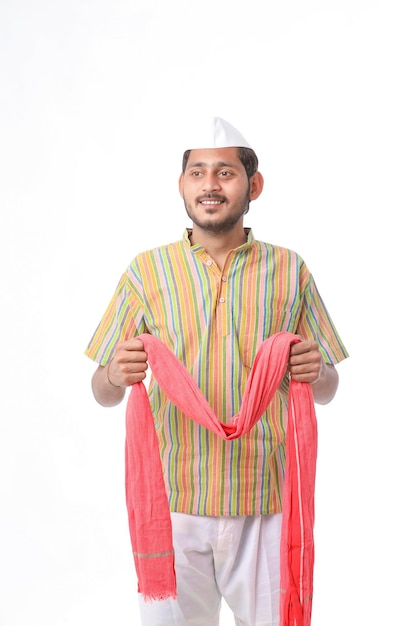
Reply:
x=198 y=247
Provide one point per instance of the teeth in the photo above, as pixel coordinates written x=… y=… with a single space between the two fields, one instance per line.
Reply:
x=211 y=202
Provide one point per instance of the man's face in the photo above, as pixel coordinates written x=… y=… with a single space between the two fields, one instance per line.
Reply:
x=215 y=189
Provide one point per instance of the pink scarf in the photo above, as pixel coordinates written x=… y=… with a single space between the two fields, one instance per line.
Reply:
x=147 y=504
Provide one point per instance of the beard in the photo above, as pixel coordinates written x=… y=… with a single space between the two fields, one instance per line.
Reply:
x=216 y=225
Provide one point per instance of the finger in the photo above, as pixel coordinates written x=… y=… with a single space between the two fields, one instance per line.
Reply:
x=126 y=373
x=133 y=345
x=126 y=351
x=307 y=371
x=301 y=347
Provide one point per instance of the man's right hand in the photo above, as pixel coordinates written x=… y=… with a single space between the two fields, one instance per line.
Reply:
x=128 y=365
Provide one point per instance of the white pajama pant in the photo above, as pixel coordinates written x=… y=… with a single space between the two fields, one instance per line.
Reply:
x=235 y=558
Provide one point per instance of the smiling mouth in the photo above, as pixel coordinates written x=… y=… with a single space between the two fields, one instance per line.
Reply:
x=211 y=200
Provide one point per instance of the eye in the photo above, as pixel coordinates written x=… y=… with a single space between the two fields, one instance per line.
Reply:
x=225 y=173
x=196 y=173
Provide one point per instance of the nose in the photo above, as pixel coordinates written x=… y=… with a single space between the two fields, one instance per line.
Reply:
x=211 y=182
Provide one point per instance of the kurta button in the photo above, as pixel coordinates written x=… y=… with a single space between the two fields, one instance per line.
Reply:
x=224 y=278
x=222 y=300
x=209 y=262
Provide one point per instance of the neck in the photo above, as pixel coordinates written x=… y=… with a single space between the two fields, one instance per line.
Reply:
x=218 y=245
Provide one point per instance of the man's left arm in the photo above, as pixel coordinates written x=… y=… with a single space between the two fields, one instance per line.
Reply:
x=306 y=365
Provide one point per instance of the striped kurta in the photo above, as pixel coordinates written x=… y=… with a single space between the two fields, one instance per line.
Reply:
x=214 y=320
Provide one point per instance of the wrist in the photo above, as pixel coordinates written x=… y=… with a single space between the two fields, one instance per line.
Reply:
x=108 y=376
x=321 y=372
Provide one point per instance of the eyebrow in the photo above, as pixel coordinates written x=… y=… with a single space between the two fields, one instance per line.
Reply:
x=217 y=164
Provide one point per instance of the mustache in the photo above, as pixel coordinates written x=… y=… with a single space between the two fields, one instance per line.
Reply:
x=211 y=196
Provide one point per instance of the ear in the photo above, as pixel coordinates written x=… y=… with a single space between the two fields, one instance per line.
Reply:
x=256 y=185
x=181 y=185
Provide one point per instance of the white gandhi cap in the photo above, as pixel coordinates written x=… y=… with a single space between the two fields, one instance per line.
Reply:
x=214 y=132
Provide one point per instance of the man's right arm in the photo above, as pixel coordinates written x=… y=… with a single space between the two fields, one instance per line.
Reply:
x=127 y=367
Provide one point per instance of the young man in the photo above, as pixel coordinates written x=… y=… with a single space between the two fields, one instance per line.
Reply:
x=213 y=298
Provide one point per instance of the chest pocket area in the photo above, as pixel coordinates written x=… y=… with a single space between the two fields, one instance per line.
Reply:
x=251 y=335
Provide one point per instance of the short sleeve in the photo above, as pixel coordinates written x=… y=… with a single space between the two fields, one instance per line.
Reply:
x=122 y=320
x=315 y=323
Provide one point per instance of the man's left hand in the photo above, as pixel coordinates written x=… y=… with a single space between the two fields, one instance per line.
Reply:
x=305 y=364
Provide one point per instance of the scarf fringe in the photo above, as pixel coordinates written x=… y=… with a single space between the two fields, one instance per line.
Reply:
x=159 y=597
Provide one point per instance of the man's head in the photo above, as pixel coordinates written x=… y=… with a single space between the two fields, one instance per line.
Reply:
x=216 y=132
x=219 y=177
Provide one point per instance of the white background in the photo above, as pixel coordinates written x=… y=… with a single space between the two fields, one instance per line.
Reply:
x=93 y=99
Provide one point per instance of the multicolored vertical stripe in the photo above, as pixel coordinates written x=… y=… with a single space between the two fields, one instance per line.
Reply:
x=214 y=320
